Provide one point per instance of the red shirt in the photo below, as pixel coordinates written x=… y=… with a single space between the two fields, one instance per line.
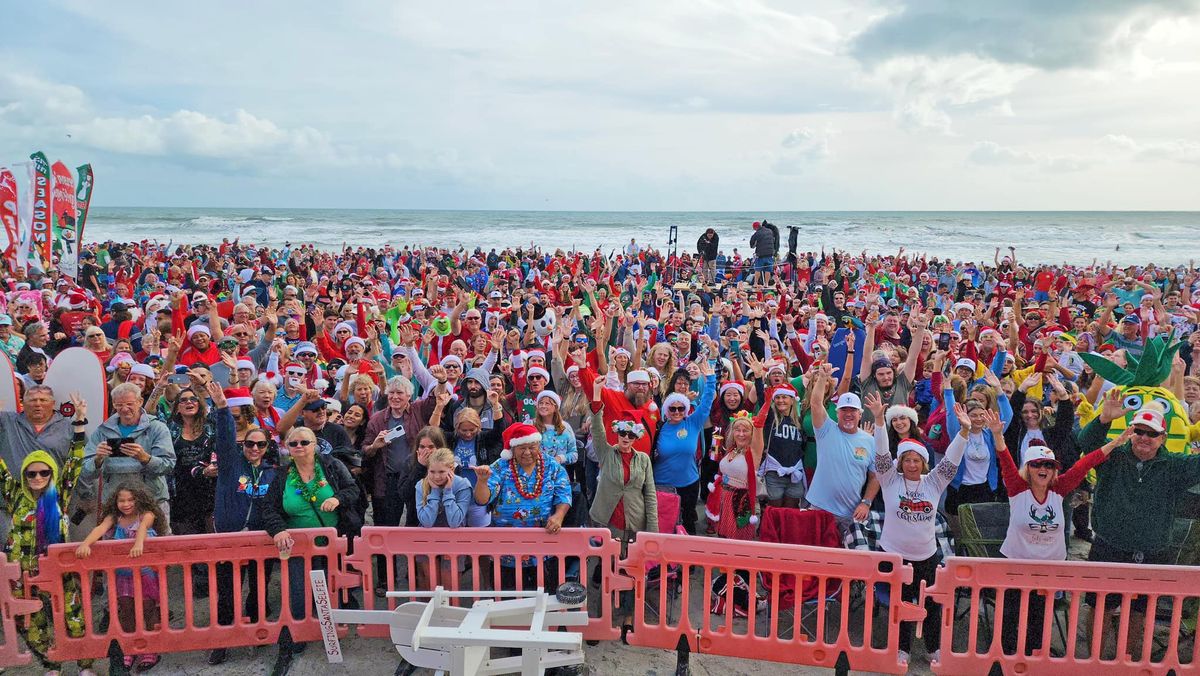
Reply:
x=618 y=515
x=617 y=407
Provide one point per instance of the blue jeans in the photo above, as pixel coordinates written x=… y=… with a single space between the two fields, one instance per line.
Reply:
x=764 y=263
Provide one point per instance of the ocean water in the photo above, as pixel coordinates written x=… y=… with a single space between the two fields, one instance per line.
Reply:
x=1165 y=238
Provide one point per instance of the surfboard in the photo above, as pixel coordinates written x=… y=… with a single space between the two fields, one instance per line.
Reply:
x=78 y=370
x=9 y=391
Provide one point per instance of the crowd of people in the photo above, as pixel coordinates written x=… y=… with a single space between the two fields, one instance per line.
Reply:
x=281 y=388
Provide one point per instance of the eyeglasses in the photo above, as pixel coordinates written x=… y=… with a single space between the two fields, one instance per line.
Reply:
x=676 y=409
x=1146 y=433
x=256 y=444
x=188 y=400
x=627 y=435
x=1043 y=464
x=36 y=473
x=300 y=443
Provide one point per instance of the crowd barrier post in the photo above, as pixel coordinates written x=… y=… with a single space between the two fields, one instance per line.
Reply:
x=401 y=559
x=1074 y=639
x=835 y=638
x=181 y=621
x=11 y=606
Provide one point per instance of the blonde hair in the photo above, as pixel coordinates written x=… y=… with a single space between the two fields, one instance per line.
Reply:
x=441 y=455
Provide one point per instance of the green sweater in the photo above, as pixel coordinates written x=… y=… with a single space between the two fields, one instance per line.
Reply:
x=1134 y=500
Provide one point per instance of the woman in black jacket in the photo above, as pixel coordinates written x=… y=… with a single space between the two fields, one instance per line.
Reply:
x=1031 y=427
x=314 y=491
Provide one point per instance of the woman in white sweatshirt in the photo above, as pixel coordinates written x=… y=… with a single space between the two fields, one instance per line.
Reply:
x=911 y=493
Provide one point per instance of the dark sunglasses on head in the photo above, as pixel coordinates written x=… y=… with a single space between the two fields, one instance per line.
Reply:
x=256 y=444
x=1146 y=433
x=299 y=443
x=627 y=435
x=35 y=473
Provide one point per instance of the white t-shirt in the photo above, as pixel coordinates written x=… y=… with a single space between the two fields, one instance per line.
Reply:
x=1035 y=530
x=910 y=507
x=977 y=458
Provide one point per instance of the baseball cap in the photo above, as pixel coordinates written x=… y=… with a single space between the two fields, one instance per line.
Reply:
x=5 y=320
x=316 y=405
x=965 y=363
x=1149 y=416
x=849 y=400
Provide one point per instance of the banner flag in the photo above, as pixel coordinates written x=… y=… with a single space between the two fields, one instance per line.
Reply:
x=42 y=243
x=8 y=216
x=83 y=199
x=62 y=209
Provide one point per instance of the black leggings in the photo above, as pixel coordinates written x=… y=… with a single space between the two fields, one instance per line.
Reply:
x=931 y=627
x=688 y=497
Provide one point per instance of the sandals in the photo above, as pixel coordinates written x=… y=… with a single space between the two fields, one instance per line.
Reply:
x=148 y=662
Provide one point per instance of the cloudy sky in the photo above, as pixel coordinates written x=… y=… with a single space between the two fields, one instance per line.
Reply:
x=620 y=105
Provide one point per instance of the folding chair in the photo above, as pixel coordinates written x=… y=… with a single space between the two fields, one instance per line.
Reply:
x=668 y=522
x=811 y=527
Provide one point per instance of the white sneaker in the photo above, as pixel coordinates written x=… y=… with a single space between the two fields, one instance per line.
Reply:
x=902 y=657
x=935 y=656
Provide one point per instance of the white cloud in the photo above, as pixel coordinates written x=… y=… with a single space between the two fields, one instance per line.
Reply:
x=1174 y=150
x=28 y=100
x=990 y=153
x=801 y=148
x=926 y=90
x=1044 y=35
x=189 y=133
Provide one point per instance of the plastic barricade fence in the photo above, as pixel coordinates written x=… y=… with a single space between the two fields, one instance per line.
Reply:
x=11 y=606
x=485 y=559
x=819 y=629
x=150 y=605
x=1001 y=604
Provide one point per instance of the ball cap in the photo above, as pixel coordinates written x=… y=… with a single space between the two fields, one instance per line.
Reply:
x=1035 y=453
x=849 y=400
x=1149 y=416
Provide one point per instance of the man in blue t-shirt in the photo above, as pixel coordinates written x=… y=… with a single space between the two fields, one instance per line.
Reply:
x=843 y=454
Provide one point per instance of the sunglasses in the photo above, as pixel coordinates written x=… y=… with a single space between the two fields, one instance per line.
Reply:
x=676 y=409
x=35 y=473
x=188 y=400
x=1043 y=464
x=538 y=376
x=259 y=444
x=627 y=435
x=299 y=443
x=1146 y=433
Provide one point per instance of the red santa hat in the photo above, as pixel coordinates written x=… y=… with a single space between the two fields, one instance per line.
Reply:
x=238 y=396
x=515 y=435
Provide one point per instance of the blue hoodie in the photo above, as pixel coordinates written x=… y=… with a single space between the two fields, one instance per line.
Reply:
x=240 y=487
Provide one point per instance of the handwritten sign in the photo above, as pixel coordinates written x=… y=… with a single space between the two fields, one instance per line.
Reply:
x=320 y=590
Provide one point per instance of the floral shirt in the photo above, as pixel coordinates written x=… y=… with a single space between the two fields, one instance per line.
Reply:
x=512 y=510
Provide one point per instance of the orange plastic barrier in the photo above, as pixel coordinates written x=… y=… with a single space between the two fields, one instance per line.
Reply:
x=979 y=585
x=834 y=636
x=11 y=654
x=183 y=621
x=404 y=559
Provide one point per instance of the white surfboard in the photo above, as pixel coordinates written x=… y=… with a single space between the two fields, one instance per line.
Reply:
x=78 y=370
x=9 y=391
